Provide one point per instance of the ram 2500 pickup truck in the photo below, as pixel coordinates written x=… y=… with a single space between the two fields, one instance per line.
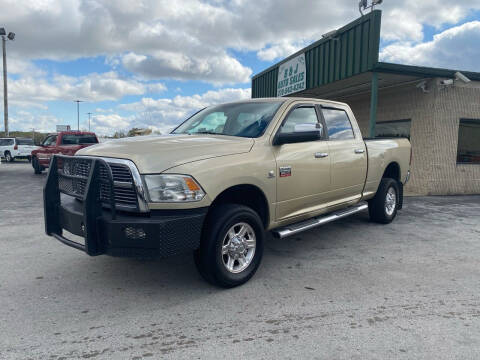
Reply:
x=63 y=143
x=221 y=180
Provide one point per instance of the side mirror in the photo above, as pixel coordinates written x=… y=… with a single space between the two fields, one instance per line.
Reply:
x=302 y=133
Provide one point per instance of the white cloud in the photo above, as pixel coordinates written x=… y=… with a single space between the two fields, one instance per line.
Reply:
x=220 y=69
x=190 y=39
x=404 y=20
x=34 y=91
x=26 y=120
x=455 y=48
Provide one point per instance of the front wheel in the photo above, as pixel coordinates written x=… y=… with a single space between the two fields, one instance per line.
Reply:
x=383 y=207
x=37 y=168
x=232 y=246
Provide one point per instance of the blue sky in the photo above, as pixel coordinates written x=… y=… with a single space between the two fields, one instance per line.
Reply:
x=152 y=64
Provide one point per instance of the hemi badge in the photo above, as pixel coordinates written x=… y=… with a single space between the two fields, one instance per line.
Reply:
x=285 y=171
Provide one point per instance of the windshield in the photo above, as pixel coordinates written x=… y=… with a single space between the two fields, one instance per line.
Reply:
x=248 y=119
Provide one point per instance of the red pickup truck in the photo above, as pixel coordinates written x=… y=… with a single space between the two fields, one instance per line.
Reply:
x=63 y=143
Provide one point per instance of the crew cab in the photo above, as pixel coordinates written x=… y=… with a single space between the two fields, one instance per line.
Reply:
x=221 y=180
x=63 y=143
x=16 y=148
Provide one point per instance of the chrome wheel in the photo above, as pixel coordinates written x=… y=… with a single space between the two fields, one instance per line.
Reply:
x=8 y=157
x=238 y=247
x=390 y=201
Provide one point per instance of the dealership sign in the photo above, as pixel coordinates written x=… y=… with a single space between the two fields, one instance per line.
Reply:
x=291 y=76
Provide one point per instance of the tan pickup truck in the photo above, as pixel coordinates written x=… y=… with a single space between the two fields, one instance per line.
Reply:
x=221 y=180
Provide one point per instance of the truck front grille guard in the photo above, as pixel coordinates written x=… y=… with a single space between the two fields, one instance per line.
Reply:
x=90 y=197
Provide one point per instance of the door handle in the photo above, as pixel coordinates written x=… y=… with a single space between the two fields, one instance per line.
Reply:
x=359 y=151
x=319 y=155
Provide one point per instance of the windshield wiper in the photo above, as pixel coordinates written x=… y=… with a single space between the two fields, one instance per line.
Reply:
x=205 y=132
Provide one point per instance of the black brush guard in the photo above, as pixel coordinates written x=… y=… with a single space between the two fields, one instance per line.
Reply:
x=158 y=233
x=92 y=206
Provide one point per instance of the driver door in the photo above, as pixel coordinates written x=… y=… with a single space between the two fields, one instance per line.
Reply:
x=303 y=168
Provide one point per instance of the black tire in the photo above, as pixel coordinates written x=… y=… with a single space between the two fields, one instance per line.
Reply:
x=209 y=258
x=37 y=168
x=377 y=207
x=8 y=156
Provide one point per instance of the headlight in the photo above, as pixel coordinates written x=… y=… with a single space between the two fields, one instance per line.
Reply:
x=173 y=188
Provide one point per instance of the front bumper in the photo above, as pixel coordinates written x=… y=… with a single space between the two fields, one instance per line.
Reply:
x=159 y=233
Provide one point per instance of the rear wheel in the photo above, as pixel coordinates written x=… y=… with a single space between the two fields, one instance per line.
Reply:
x=383 y=207
x=37 y=168
x=8 y=156
x=232 y=246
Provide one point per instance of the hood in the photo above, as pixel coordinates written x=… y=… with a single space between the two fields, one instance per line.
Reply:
x=155 y=154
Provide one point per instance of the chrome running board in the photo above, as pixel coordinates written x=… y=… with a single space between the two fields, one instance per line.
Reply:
x=289 y=230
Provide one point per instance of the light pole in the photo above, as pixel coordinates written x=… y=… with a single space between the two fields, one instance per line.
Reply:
x=78 y=113
x=89 y=114
x=10 y=36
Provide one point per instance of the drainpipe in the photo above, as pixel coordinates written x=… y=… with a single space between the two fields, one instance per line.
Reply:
x=373 y=104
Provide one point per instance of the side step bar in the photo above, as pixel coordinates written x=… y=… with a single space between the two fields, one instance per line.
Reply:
x=289 y=230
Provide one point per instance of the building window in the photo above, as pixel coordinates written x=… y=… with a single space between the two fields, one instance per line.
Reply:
x=395 y=128
x=468 y=151
x=338 y=124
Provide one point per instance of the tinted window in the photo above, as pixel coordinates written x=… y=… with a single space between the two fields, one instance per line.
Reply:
x=299 y=116
x=396 y=128
x=76 y=139
x=6 y=142
x=25 y=142
x=468 y=150
x=248 y=119
x=50 y=141
x=338 y=124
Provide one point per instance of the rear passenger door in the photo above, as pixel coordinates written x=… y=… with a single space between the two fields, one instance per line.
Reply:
x=348 y=155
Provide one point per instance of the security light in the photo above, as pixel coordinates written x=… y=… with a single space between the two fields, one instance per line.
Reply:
x=11 y=36
x=2 y=31
x=461 y=77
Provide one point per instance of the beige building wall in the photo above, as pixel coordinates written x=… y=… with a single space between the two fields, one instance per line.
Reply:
x=434 y=132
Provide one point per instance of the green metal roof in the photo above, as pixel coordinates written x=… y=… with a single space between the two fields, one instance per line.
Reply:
x=353 y=50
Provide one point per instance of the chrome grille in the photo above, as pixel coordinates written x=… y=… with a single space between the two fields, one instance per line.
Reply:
x=77 y=171
x=125 y=194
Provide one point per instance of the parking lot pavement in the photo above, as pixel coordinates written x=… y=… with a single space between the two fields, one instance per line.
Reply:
x=351 y=289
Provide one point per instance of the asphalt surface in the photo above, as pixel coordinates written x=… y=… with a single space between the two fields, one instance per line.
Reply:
x=348 y=290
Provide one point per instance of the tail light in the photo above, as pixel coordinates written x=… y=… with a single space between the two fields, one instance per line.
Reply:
x=15 y=147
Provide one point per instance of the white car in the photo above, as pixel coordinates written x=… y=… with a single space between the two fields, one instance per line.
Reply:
x=16 y=148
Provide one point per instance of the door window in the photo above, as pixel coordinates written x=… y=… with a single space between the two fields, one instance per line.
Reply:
x=50 y=141
x=301 y=116
x=338 y=124
x=6 y=142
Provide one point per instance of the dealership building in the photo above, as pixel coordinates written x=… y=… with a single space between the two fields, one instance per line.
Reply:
x=437 y=109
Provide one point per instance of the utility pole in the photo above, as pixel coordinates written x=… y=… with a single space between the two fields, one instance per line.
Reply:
x=5 y=37
x=5 y=90
x=78 y=113
x=89 y=114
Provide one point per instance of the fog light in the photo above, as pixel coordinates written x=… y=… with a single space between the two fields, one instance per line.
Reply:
x=134 y=233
